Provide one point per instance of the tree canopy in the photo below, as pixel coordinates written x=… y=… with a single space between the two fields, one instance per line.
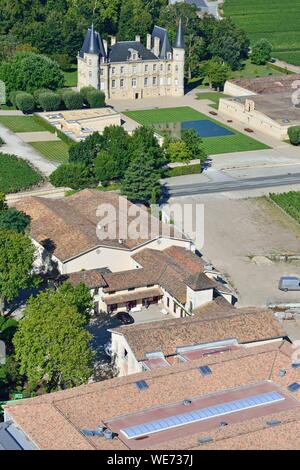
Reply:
x=52 y=344
x=16 y=260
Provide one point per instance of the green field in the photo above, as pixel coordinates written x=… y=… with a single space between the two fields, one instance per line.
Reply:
x=21 y=124
x=55 y=151
x=71 y=77
x=213 y=96
x=213 y=145
x=289 y=202
x=277 y=21
x=16 y=174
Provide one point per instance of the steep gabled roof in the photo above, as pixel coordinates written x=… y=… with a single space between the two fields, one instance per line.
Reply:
x=164 y=45
x=179 y=42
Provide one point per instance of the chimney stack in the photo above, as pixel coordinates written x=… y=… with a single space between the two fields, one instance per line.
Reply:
x=105 y=45
x=113 y=40
x=137 y=38
x=149 y=41
x=156 y=46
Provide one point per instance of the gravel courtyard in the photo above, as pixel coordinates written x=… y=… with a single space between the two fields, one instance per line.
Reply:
x=243 y=238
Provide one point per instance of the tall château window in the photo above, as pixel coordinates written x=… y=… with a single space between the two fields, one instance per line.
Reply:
x=169 y=67
x=154 y=81
x=154 y=67
x=133 y=83
x=113 y=70
x=113 y=83
x=146 y=81
x=122 y=83
x=146 y=68
x=122 y=70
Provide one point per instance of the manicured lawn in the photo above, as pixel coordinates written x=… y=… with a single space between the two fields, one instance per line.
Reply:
x=213 y=96
x=289 y=202
x=56 y=151
x=71 y=77
x=277 y=21
x=213 y=145
x=250 y=70
x=21 y=124
x=16 y=174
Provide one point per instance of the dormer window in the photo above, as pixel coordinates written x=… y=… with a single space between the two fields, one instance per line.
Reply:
x=134 y=56
x=169 y=56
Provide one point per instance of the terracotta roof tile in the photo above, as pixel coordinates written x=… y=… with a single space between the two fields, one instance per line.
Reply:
x=54 y=421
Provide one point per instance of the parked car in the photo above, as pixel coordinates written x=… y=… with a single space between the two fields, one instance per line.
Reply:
x=125 y=318
x=287 y=283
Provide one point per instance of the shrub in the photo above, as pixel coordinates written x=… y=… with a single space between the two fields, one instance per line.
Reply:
x=96 y=99
x=12 y=97
x=37 y=93
x=73 y=100
x=182 y=170
x=72 y=175
x=294 y=135
x=84 y=92
x=25 y=102
x=49 y=101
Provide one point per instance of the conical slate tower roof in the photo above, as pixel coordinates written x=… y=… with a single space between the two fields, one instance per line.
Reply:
x=92 y=44
x=179 y=43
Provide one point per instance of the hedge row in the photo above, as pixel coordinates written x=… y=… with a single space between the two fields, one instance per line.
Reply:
x=182 y=170
x=48 y=100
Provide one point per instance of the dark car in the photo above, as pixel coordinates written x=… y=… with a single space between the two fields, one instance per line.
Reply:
x=125 y=318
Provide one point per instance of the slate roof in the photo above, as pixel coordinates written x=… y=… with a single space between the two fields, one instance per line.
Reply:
x=164 y=45
x=92 y=44
x=179 y=42
x=119 y=52
x=54 y=421
x=245 y=325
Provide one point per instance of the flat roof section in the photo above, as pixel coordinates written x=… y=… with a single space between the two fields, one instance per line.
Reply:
x=131 y=429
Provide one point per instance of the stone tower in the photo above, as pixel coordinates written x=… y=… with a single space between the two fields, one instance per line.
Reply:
x=179 y=58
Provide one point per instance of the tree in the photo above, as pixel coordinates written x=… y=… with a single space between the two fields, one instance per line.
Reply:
x=16 y=260
x=72 y=175
x=141 y=180
x=15 y=220
x=84 y=92
x=106 y=168
x=177 y=151
x=27 y=71
x=80 y=297
x=294 y=135
x=144 y=141
x=85 y=152
x=261 y=52
x=52 y=344
x=215 y=73
x=25 y=102
x=3 y=205
x=134 y=19
x=194 y=144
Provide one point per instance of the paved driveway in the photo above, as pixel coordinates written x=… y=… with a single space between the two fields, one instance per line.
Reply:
x=16 y=146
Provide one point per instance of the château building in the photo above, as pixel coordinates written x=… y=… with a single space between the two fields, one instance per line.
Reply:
x=129 y=70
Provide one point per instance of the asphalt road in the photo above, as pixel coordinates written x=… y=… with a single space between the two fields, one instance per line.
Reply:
x=238 y=185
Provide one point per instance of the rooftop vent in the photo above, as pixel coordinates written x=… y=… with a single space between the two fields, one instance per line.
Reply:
x=141 y=385
x=187 y=402
x=282 y=372
x=205 y=440
x=273 y=422
x=223 y=424
x=108 y=434
x=294 y=387
x=205 y=370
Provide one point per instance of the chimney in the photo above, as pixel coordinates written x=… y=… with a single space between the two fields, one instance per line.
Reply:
x=149 y=41
x=156 y=46
x=105 y=45
x=113 y=40
x=137 y=38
